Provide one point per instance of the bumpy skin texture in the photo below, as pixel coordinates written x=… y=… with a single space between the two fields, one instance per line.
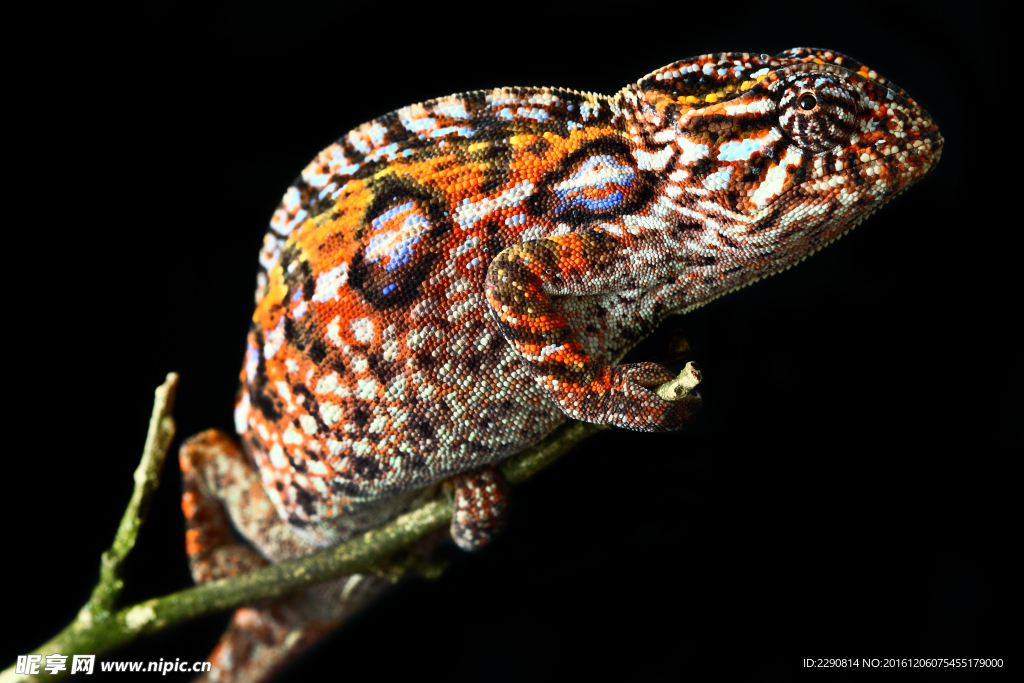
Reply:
x=448 y=283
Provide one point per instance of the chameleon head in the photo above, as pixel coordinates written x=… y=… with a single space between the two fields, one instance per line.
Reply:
x=776 y=156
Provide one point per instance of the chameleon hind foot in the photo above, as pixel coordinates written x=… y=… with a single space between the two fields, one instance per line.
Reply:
x=221 y=490
x=481 y=503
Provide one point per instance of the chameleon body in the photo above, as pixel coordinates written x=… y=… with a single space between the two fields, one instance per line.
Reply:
x=448 y=283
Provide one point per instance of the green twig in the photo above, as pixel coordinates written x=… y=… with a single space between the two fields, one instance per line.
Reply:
x=147 y=479
x=99 y=628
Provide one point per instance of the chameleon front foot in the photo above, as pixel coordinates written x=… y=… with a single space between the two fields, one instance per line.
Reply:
x=637 y=398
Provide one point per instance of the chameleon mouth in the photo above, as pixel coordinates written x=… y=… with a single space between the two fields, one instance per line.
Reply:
x=838 y=236
x=929 y=150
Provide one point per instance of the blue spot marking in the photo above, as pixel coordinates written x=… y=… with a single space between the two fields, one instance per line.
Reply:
x=381 y=244
x=388 y=151
x=290 y=225
x=421 y=124
x=535 y=114
x=738 y=151
x=616 y=174
x=415 y=219
x=388 y=289
x=252 y=360
x=592 y=204
x=455 y=111
x=380 y=220
x=464 y=131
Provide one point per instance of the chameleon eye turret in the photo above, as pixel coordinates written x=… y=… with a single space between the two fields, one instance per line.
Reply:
x=817 y=112
x=768 y=160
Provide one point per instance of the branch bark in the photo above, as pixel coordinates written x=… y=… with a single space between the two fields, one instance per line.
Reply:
x=147 y=479
x=99 y=627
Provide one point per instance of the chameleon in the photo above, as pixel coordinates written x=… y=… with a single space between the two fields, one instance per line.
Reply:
x=447 y=284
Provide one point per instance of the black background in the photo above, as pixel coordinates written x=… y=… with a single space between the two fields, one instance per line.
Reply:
x=846 y=491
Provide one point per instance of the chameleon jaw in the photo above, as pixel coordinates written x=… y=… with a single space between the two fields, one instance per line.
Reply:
x=694 y=306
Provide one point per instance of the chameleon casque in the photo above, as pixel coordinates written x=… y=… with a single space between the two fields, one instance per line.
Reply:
x=448 y=283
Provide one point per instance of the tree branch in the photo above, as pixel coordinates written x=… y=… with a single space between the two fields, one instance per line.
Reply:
x=99 y=628
x=147 y=479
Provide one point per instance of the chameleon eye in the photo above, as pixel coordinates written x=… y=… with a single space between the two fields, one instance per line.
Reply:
x=817 y=111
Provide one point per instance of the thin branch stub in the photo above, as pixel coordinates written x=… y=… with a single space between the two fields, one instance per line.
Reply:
x=688 y=379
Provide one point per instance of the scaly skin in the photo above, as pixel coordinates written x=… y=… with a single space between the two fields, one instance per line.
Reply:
x=448 y=283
